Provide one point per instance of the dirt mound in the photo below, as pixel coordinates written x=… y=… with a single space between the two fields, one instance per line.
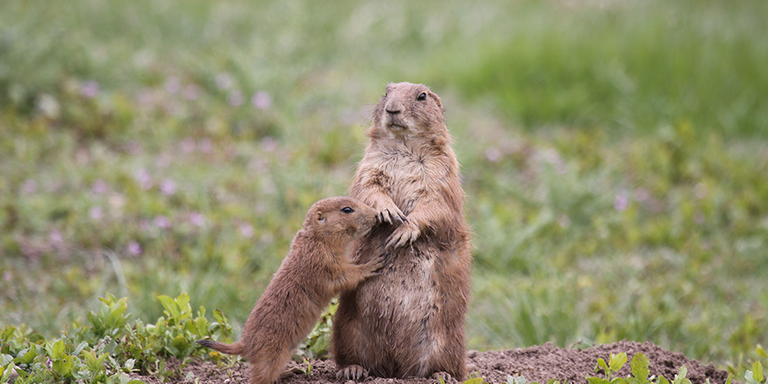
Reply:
x=536 y=364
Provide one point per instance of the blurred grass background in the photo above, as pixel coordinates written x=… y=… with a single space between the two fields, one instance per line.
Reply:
x=614 y=155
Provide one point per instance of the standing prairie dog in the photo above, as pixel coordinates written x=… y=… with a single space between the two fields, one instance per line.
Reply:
x=409 y=319
x=318 y=266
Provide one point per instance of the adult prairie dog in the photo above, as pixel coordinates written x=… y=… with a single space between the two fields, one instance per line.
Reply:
x=409 y=319
x=318 y=266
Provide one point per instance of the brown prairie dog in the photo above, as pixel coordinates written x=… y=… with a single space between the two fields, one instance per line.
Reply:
x=318 y=266
x=409 y=319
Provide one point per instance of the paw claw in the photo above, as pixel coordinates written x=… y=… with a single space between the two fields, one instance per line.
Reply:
x=353 y=372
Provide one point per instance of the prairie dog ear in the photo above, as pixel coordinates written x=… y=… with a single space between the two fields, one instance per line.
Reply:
x=320 y=217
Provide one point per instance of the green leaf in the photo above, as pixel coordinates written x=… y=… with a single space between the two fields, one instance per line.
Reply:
x=80 y=347
x=761 y=352
x=28 y=356
x=63 y=365
x=640 y=367
x=597 y=380
x=476 y=380
x=662 y=380
x=757 y=371
x=680 y=377
x=219 y=316
x=181 y=344
x=749 y=377
x=601 y=364
x=116 y=318
x=617 y=361
x=58 y=350
x=170 y=306
x=730 y=377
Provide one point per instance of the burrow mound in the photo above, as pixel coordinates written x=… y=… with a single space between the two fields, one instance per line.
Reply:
x=536 y=364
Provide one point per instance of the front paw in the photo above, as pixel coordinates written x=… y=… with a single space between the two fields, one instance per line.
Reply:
x=374 y=265
x=403 y=235
x=447 y=378
x=353 y=372
x=392 y=215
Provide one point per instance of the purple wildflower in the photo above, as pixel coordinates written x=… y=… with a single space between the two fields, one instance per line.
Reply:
x=134 y=248
x=90 y=89
x=162 y=222
x=168 y=187
x=261 y=100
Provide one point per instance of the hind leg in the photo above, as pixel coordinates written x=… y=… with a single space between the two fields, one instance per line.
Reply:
x=267 y=371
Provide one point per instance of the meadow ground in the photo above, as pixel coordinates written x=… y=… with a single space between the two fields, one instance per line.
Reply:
x=614 y=155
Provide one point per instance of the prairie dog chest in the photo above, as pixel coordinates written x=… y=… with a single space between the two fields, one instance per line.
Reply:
x=406 y=177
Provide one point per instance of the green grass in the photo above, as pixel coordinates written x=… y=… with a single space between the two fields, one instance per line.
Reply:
x=614 y=156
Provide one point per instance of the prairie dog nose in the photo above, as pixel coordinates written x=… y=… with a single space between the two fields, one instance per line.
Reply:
x=393 y=108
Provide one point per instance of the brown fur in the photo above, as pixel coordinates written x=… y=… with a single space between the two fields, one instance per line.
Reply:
x=318 y=266
x=408 y=320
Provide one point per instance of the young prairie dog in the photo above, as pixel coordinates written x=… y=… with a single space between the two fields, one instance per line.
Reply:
x=318 y=266
x=409 y=319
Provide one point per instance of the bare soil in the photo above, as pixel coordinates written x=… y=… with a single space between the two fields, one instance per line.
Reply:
x=536 y=364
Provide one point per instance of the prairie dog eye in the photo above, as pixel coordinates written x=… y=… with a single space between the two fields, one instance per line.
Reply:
x=347 y=210
x=422 y=96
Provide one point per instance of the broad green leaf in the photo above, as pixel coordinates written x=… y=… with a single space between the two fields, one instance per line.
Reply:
x=27 y=358
x=597 y=380
x=182 y=300
x=170 y=306
x=757 y=371
x=116 y=318
x=476 y=380
x=219 y=316
x=680 y=377
x=601 y=364
x=180 y=344
x=662 y=380
x=63 y=365
x=749 y=377
x=80 y=347
x=617 y=361
x=761 y=352
x=640 y=365
x=57 y=351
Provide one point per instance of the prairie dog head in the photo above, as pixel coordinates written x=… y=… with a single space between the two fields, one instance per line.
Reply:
x=409 y=110
x=340 y=219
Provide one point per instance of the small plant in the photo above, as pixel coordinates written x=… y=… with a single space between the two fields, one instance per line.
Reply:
x=640 y=372
x=756 y=375
x=109 y=348
x=470 y=380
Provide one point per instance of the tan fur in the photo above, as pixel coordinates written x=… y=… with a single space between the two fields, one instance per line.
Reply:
x=318 y=266
x=408 y=320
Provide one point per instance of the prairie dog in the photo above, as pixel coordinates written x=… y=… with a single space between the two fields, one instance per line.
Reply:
x=409 y=319
x=318 y=266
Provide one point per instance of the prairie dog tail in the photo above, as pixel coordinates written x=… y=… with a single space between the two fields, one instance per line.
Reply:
x=232 y=349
